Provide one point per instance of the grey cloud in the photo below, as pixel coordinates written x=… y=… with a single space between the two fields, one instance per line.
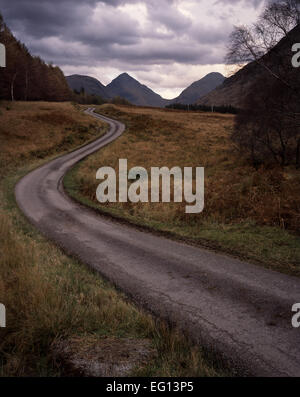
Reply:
x=253 y=3
x=41 y=18
x=67 y=33
x=139 y=55
x=167 y=15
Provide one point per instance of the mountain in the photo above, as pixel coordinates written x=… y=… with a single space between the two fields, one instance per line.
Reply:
x=199 y=88
x=90 y=85
x=139 y=94
x=136 y=93
x=123 y=86
x=234 y=89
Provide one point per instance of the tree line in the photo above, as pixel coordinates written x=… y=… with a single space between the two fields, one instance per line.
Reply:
x=26 y=77
x=83 y=98
x=203 y=108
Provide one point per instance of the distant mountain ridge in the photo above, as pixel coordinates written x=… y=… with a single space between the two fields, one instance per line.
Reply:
x=139 y=94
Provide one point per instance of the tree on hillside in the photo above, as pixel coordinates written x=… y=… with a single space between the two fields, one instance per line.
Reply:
x=268 y=127
x=26 y=77
x=120 y=101
x=251 y=43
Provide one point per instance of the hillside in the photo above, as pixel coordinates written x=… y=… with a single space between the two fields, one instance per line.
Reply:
x=90 y=85
x=199 y=88
x=234 y=89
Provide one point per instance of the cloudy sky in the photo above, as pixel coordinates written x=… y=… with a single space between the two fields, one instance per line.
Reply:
x=165 y=44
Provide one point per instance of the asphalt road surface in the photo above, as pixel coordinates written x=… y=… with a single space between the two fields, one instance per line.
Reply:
x=239 y=311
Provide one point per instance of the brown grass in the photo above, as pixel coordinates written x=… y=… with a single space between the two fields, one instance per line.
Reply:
x=30 y=131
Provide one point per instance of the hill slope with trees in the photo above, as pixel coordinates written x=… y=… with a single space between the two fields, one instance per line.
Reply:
x=26 y=77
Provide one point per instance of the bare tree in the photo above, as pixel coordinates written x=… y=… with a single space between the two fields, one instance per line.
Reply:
x=249 y=44
x=268 y=127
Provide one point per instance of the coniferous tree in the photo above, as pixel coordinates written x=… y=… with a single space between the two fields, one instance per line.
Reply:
x=26 y=77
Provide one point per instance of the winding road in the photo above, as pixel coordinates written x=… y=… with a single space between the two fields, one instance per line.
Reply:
x=240 y=311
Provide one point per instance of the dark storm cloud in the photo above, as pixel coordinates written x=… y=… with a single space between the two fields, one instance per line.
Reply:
x=40 y=18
